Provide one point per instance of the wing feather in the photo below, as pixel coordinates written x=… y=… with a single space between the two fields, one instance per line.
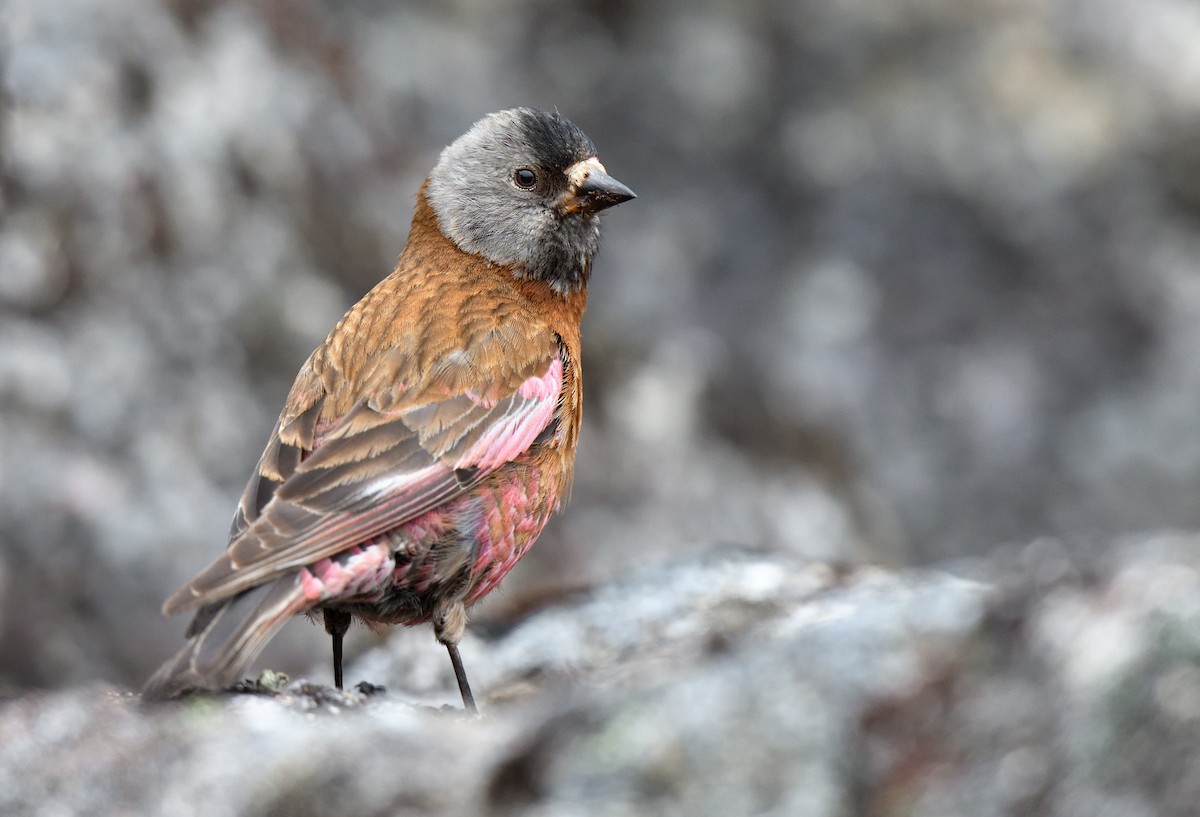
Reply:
x=326 y=485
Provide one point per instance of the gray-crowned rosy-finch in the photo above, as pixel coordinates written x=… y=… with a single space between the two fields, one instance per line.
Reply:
x=426 y=442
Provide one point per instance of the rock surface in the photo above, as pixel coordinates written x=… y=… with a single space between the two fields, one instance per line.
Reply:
x=738 y=683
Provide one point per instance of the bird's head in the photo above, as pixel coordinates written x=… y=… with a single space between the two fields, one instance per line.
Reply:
x=523 y=188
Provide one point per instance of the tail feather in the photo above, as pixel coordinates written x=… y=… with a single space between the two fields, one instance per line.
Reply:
x=224 y=638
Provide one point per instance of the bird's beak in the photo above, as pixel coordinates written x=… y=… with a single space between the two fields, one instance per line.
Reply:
x=592 y=189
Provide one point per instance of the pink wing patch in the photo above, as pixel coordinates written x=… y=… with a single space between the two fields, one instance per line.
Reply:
x=353 y=572
x=531 y=412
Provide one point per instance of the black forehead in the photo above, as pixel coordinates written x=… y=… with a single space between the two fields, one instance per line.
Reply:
x=555 y=140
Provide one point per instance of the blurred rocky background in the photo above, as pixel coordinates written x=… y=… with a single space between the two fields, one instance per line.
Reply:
x=909 y=283
x=731 y=683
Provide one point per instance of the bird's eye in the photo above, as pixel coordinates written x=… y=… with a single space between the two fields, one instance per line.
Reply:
x=524 y=178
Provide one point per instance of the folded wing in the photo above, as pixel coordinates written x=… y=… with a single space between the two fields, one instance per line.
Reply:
x=326 y=484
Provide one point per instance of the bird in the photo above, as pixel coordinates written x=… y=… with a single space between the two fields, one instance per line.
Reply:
x=427 y=440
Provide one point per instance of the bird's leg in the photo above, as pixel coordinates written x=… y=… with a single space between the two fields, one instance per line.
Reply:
x=464 y=688
x=449 y=622
x=337 y=623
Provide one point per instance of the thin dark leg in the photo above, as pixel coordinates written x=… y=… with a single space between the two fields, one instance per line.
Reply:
x=337 y=659
x=461 y=675
x=336 y=624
